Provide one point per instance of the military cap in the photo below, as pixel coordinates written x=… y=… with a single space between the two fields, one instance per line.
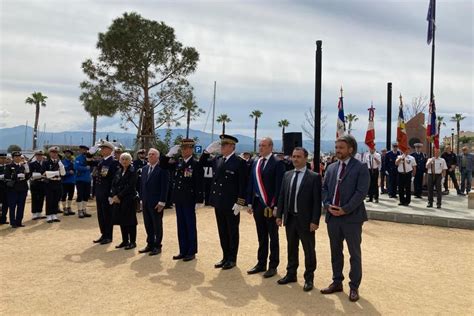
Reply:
x=16 y=154
x=3 y=154
x=418 y=145
x=395 y=144
x=53 y=149
x=68 y=151
x=106 y=144
x=39 y=152
x=118 y=149
x=83 y=147
x=141 y=151
x=188 y=142
x=228 y=139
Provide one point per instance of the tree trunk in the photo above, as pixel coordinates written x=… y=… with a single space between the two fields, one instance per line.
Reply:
x=223 y=128
x=283 y=139
x=147 y=134
x=458 y=127
x=35 y=130
x=94 y=129
x=188 y=122
x=255 y=136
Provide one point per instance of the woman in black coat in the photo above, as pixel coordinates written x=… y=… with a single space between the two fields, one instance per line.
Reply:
x=123 y=196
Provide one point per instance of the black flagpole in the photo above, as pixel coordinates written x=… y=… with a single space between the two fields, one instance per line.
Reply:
x=317 y=107
x=432 y=68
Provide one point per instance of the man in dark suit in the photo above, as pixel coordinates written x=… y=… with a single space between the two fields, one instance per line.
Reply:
x=37 y=185
x=420 y=158
x=187 y=195
x=3 y=190
x=228 y=193
x=266 y=175
x=391 y=170
x=344 y=189
x=153 y=193
x=103 y=183
x=299 y=208
x=16 y=177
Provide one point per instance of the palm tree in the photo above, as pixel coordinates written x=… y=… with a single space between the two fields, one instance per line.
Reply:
x=190 y=108
x=96 y=103
x=349 y=119
x=283 y=124
x=457 y=118
x=256 y=114
x=223 y=118
x=440 y=120
x=38 y=99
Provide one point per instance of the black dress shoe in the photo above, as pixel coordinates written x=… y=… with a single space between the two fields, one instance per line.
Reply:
x=145 y=250
x=154 y=252
x=105 y=241
x=189 y=258
x=20 y=225
x=14 y=226
x=49 y=221
x=287 y=279
x=429 y=205
x=228 y=265
x=256 y=269
x=178 y=257
x=438 y=206
x=86 y=214
x=42 y=217
x=270 y=272
x=130 y=246
x=333 y=288
x=220 y=264
x=353 y=295
x=122 y=244
x=97 y=241
x=3 y=223
x=308 y=286
x=56 y=220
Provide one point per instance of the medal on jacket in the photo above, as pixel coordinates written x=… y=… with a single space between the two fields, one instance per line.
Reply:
x=188 y=172
x=104 y=170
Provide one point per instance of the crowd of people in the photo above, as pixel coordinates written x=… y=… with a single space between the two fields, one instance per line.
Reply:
x=275 y=189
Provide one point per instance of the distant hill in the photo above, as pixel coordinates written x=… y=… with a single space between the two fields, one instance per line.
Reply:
x=22 y=136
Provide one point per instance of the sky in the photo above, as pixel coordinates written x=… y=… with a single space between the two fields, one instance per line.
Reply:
x=260 y=53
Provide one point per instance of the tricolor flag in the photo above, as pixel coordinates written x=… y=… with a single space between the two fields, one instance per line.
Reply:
x=402 y=138
x=341 y=123
x=432 y=131
x=431 y=18
x=370 y=134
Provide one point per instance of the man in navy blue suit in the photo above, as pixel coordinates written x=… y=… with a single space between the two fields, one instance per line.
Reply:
x=266 y=174
x=153 y=193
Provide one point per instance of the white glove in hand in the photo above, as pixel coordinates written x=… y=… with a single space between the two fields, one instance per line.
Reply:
x=412 y=179
x=386 y=172
x=214 y=147
x=236 y=208
x=199 y=205
x=93 y=150
x=173 y=151
x=442 y=180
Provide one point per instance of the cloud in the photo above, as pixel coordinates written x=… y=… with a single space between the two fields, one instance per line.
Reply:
x=261 y=54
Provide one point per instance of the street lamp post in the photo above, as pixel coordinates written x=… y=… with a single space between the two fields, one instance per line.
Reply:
x=452 y=138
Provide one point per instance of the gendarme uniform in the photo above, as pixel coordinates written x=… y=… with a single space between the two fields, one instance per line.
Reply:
x=68 y=183
x=103 y=180
x=420 y=158
x=434 y=168
x=3 y=190
x=16 y=176
x=405 y=169
x=228 y=189
x=37 y=185
x=188 y=188
x=54 y=170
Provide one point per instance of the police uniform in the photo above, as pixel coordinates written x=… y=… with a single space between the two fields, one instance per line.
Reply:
x=37 y=186
x=420 y=159
x=187 y=192
x=82 y=168
x=228 y=192
x=54 y=170
x=68 y=183
x=3 y=191
x=391 y=169
x=103 y=182
x=405 y=167
x=16 y=176
x=435 y=168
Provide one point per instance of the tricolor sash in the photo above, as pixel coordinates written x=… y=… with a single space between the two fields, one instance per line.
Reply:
x=260 y=188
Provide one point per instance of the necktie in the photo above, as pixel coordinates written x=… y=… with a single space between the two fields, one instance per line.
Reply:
x=337 y=200
x=293 y=193
x=150 y=170
x=262 y=165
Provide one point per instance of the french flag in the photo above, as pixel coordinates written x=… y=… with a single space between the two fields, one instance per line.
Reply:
x=370 y=134
x=341 y=123
x=432 y=128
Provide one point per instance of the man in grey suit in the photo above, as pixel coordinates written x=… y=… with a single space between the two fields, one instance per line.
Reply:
x=299 y=208
x=466 y=166
x=345 y=186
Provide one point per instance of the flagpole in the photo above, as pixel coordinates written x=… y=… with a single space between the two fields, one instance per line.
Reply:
x=317 y=107
x=430 y=147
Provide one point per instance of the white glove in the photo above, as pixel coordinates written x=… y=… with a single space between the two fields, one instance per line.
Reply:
x=93 y=150
x=173 y=151
x=199 y=205
x=36 y=175
x=442 y=180
x=214 y=147
x=236 y=208
x=412 y=179
x=386 y=172
x=21 y=176
x=62 y=170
